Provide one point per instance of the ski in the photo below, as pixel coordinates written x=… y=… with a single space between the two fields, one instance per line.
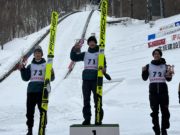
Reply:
x=46 y=88
x=99 y=90
x=72 y=63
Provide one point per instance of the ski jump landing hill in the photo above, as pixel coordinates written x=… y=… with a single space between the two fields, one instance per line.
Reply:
x=125 y=99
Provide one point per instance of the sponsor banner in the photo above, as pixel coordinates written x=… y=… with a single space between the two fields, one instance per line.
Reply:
x=157 y=43
x=162 y=29
x=161 y=34
x=170 y=46
x=167 y=27
x=152 y=36
x=175 y=37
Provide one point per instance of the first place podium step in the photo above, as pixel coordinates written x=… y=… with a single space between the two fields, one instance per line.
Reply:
x=104 y=129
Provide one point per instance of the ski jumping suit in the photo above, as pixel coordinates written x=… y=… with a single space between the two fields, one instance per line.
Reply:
x=35 y=72
x=158 y=92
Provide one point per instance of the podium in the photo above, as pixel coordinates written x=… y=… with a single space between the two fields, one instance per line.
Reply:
x=104 y=129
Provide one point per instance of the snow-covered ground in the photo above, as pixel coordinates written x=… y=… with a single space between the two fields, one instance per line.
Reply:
x=125 y=100
x=15 y=49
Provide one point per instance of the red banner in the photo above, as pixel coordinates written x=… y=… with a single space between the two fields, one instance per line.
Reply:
x=157 y=43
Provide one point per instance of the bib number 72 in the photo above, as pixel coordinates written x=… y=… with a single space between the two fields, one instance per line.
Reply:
x=155 y=74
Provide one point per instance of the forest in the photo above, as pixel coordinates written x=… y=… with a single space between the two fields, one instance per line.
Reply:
x=22 y=17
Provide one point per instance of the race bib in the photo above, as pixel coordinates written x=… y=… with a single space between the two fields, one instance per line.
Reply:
x=91 y=61
x=157 y=73
x=38 y=72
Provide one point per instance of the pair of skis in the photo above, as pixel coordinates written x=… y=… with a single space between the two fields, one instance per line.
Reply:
x=72 y=63
x=99 y=90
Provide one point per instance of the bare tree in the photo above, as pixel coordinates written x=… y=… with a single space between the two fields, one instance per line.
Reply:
x=21 y=17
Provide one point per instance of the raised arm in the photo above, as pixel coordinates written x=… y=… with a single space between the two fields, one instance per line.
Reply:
x=76 y=55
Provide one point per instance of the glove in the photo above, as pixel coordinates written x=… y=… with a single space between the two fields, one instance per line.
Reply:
x=77 y=48
x=107 y=76
x=144 y=68
x=21 y=64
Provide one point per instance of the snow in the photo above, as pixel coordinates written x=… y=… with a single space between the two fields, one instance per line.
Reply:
x=17 y=48
x=125 y=99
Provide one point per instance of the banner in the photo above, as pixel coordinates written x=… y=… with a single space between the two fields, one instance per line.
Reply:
x=161 y=34
x=170 y=46
x=152 y=36
x=157 y=43
x=165 y=30
x=167 y=27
